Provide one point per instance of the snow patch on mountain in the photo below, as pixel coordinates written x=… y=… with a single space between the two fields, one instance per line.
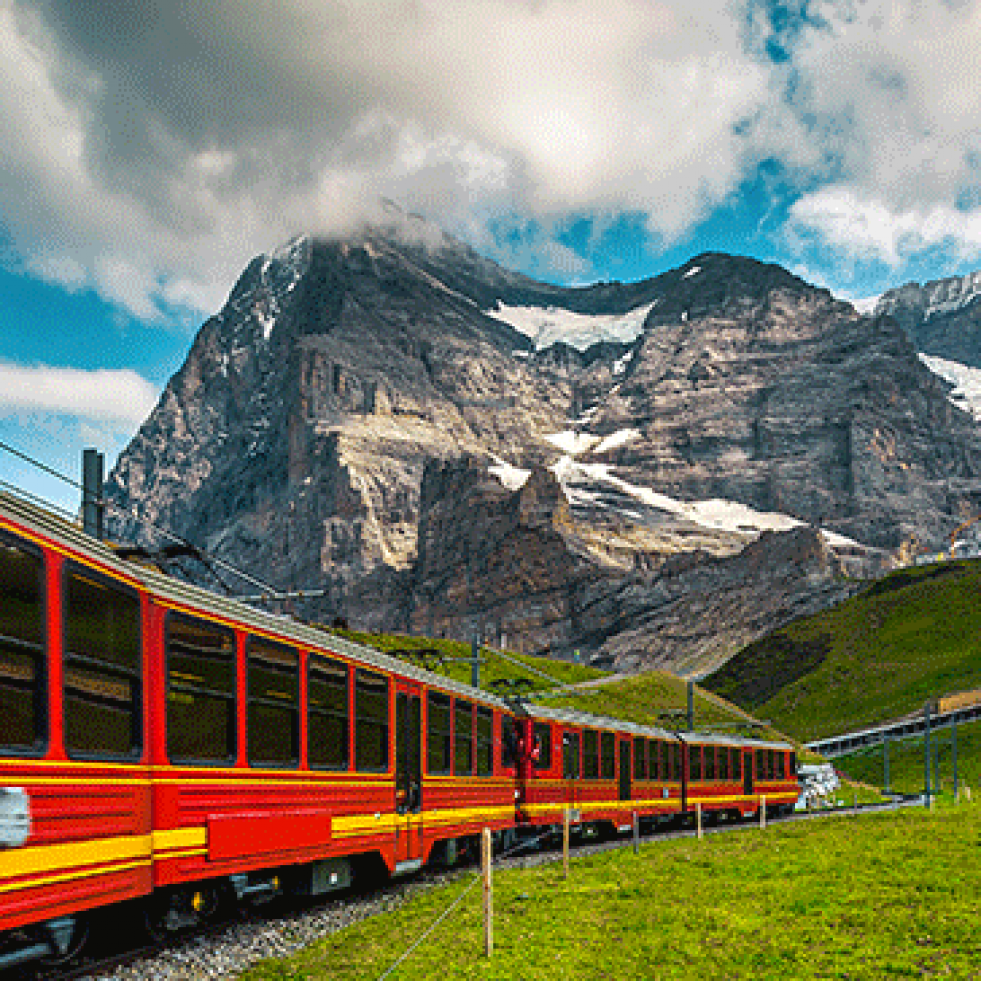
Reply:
x=580 y=480
x=620 y=438
x=547 y=325
x=513 y=478
x=966 y=381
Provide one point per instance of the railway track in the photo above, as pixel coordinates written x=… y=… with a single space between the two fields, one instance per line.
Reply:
x=225 y=949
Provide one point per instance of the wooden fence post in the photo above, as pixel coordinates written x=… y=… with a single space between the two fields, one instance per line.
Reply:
x=485 y=864
x=636 y=833
x=565 y=843
x=698 y=819
x=763 y=811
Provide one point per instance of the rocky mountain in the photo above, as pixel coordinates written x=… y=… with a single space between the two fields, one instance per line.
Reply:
x=943 y=317
x=656 y=471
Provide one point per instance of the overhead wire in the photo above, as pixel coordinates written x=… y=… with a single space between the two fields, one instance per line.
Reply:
x=206 y=559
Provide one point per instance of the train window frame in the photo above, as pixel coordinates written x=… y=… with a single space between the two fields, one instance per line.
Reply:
x=439 y=736
x=463 y=738
x=608 y=755
x=541 y=734
x=708 y=762
x=38 y=651
x=365 y=723
x=509 y=741
x=483 y=726
x=590 y=754
x=640 y=758
x=252 y=722
x=571 y=755
x=694 y=761
x=654 y=759
x=181 y=688
x=101 y=670
x=317 y=662
x=724 y=767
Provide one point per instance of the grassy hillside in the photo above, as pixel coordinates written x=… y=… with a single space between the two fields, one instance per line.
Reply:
x=912 y=636
x=527 y=672
x=652 y=698
x=655 y=698
x=880 y=895
x=906 y=772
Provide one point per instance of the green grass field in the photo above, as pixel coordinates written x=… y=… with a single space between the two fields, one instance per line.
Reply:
x=912 y=636
x=894 y=895
x=906 y=764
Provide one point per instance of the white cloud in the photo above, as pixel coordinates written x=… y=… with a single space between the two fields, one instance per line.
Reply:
x=864 y=228
x=889 y=91
x=139 y=156
x=99 y=397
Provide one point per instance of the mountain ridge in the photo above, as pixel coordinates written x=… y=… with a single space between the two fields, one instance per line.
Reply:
x=297 y=437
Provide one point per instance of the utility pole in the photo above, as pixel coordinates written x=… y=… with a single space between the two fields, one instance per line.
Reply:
x=474 y=661
x=953 y=752
x=926 y=752
x=690 y=718
x=93 y=507
x=885 y=764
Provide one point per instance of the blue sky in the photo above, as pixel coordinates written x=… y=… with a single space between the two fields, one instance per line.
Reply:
x=148 y=150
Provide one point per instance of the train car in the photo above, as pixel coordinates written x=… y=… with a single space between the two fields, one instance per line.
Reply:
x=603 y=770
x=165 y=744
x=176 y=751
x=733 y=777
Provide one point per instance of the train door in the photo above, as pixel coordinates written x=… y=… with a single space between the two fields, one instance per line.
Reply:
x=408 y=776
x=570 y=766
x=748 y=772
x=625 y=768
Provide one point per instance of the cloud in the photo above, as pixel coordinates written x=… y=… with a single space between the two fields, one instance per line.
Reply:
x=864 y=229
x=890 y=92
x=151 y=149
x=99 y=398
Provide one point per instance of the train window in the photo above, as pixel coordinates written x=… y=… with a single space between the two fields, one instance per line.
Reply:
x=793 y=765
x=200 y=690
x=724 y=752
x=485 y=741
x=653 y=763
x=781 y=765
x=439 y=746
x=462 y=738
x=570 y=756
x=640 y=759
x=274 y=703
x=709 y=757
x=737 y=764
x=103 y=676
x=371 y=698
x=328 y=683
x=509 y=741
x=543 y=743
x=590 y=754
x=23 y=675
x=760 y=764
x=694 y=762
x=608 y=755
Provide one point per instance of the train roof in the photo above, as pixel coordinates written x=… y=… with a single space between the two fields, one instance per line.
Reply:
x=65 y=533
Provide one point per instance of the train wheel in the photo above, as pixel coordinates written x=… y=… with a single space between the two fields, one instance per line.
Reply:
x=67 y=938
x=176 y=910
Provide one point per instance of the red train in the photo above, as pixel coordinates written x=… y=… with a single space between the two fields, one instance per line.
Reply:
x=164 y=745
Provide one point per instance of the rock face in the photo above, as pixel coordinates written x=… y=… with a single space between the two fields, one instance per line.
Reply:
x=375 y=418
x=943 y=317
